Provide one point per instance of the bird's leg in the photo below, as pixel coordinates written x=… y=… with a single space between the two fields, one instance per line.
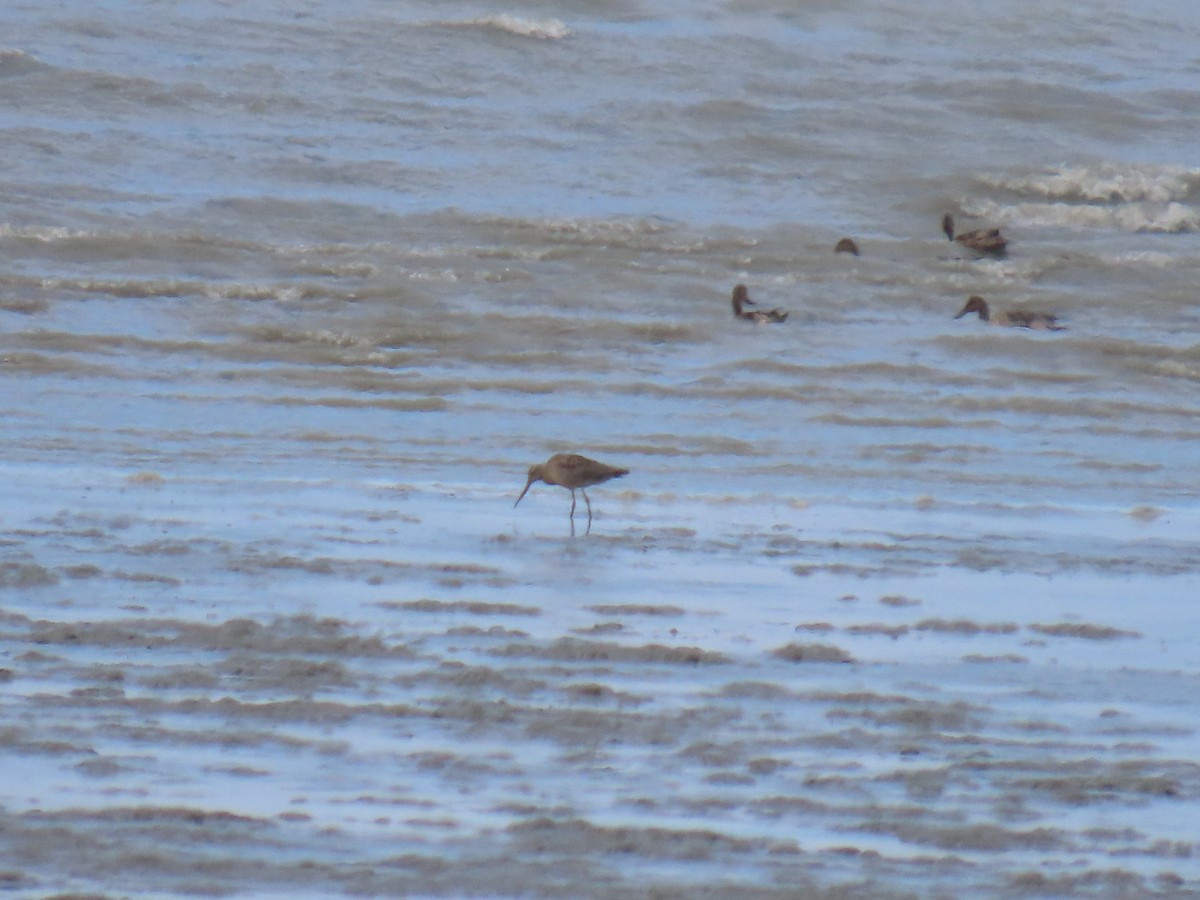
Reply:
x=589 y=509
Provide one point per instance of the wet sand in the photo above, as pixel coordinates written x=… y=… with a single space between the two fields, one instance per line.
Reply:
x=890 y=604
x=387 y=702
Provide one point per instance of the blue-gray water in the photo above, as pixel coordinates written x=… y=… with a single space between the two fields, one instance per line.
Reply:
x=891 y=603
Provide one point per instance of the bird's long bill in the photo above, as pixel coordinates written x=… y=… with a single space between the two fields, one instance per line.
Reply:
x=524 y=492
x=962 y=312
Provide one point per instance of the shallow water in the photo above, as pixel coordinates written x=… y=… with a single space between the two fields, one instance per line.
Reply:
x=890 y=603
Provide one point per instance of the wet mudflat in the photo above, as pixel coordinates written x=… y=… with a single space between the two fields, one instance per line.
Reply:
x=889 y=604
x=532 y=711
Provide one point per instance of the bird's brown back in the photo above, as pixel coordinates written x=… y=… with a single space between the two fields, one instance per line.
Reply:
x=571 y=470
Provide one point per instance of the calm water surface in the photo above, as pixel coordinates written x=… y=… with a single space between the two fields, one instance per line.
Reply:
x=891 y=604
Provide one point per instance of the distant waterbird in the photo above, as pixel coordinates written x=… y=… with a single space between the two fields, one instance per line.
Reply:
x=741 y=299
x=846 y=245
x=982 y=240
x=572 y=471
x=1016 y=318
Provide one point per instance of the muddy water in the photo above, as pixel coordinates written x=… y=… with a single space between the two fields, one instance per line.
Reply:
x=890 y=604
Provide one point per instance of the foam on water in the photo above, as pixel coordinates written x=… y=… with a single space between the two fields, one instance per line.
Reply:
x=542 y=29
x=1108 y=183
x=890 y=604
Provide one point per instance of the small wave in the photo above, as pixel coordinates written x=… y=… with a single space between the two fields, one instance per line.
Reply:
x=541 y=29
x=1107 y=184
x=18 y=62
x=1142 y=258
x=615 y=232
x=1145 y=217
x=42 y=233
x=133 y=243
x=277 y=334
x=133 y=289
x=1146 y=198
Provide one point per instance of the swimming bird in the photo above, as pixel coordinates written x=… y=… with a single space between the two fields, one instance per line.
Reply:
x=570 y=470
x=982 y=240
x=846 y=245
x=759 y=317
x=1017 y=318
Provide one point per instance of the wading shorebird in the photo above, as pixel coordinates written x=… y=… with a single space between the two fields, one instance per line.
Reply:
x=741 y=297
x=1017 y=318
x=846 y=245
x=982 y=240
x=570 y=470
